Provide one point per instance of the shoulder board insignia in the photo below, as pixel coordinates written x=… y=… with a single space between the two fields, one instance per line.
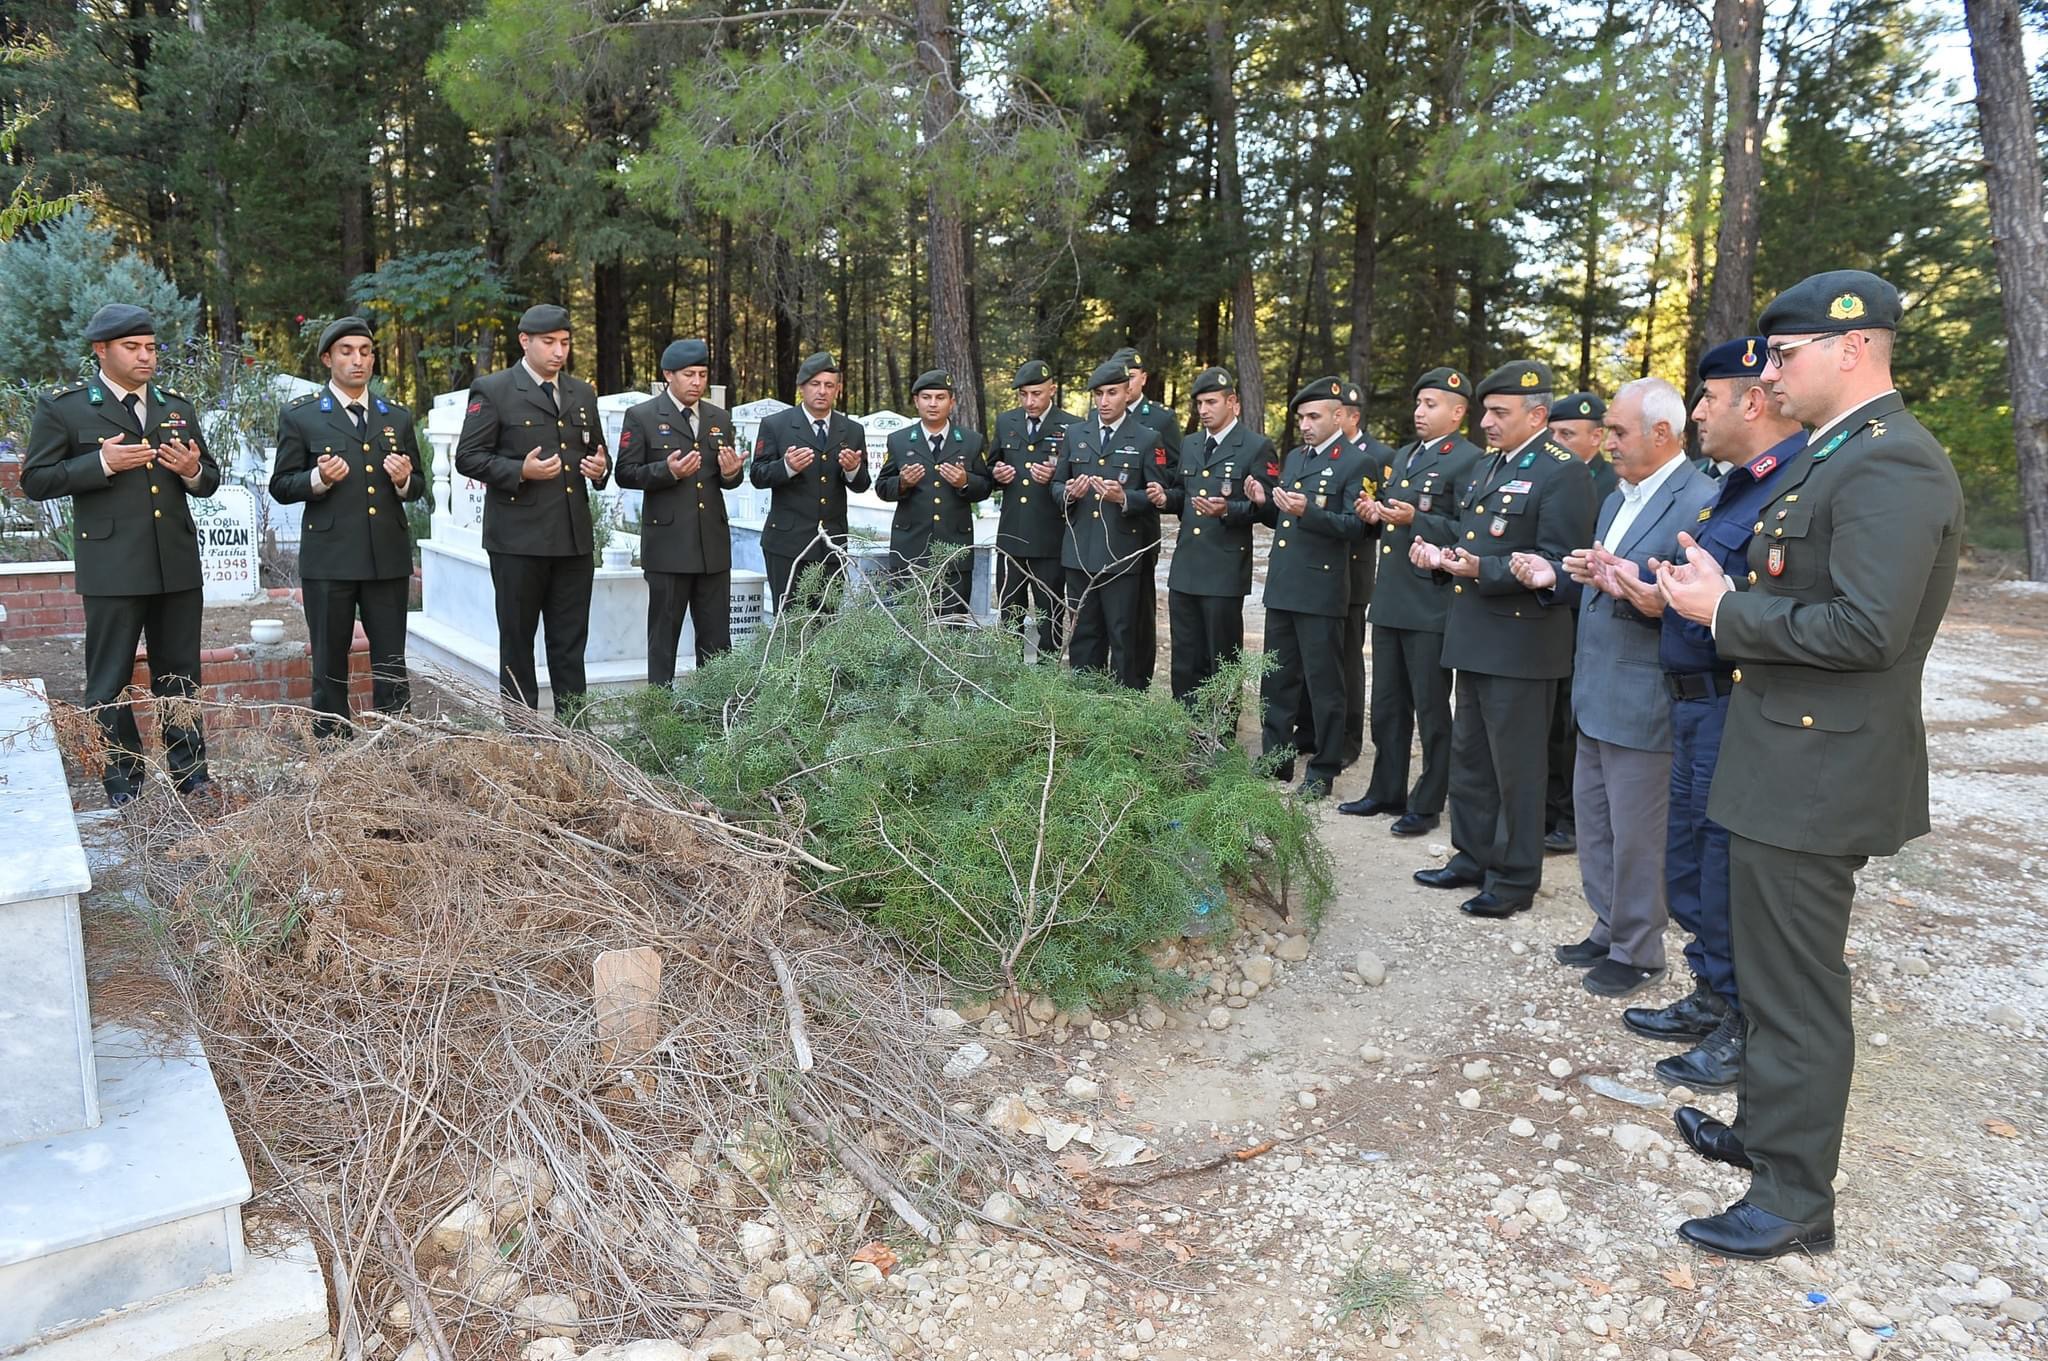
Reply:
x=1528 y=459
x=327 y=401
x=1763 y=466
x=66 y=392
x=1561 y=455
x=383 y=407
x=171 y=392
x=95 y=396
x=956 y=434
x=1706 y=515
x=1876 y=429
x=301 y=399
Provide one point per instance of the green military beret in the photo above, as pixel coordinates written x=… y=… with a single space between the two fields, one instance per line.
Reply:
x=341 y=328
x=1444 y=380
x=932 y=380
x=544 y=318
x=684 y=354
x=1034 y=371
x=1580 y=406
x=1108 y=373
x=1524 y=377
x=821 y=362
x=1826 y=304
x=1321 y=390
x=1353 y=398
x=1214 y=380
x=118 y=321
x=1128 y=357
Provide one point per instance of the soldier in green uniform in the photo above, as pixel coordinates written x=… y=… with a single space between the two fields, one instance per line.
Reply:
x=352 y=457
x=1168 y=428
x=532 y=436
x=128 y=453
x=1508 y=646
x=1411 y=687
x=677 y=450
x=1577 y=423
x=809 y=457
x=935 y=473
x=1212 y=556
x=1109 y=483
x=1031 y=526
x=1824 y=760
x=1364 y=556
x=1309 y=499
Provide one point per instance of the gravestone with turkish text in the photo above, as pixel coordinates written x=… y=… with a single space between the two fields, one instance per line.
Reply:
x=228 y=564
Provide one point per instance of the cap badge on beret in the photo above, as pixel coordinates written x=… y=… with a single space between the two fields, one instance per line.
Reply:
x=1847 y=307
x=1749 y=353
x=1453 y=380
x=1530 y=379
x=1585 y=408
x=1336 y=390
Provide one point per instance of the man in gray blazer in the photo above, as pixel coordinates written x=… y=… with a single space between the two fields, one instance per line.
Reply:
x=1622 y=782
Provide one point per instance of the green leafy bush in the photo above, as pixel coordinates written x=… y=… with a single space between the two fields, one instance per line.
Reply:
x=1015 y=825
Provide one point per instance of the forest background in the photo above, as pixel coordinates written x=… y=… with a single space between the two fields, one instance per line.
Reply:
x=1291 y=188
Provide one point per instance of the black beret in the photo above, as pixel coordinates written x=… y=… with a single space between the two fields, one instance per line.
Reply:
x=1827 y=304
x=1353 y=398
x=1321 y=390
x=1525 y=377
x=1034 y=371
x=1580 y=406
x=1742 y=357
x=341 y=328
x=1214 y=380
x=543 y=318
x=821 y=362
x=118 y=321
x=1108 y=373
x=1445 y=380
x=932 y=380
x=1128 y=357
x=684 y=354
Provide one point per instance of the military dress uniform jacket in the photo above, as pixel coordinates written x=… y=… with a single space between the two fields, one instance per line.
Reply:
x=933 y=511
x=1429 y=475
x=1363 y=553
x=354 y=530
x=1104 y=539
x=801 y=502
x=507 y=418
x=134 y=531
x=1213 y=556
x=1539 y=501
x=1309 y=568
x=1030 y=525
x=683 y=526
x=1850 y=571
x=1167 y=425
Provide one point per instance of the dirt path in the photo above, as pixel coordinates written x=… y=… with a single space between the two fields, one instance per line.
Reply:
x=1534 y=1218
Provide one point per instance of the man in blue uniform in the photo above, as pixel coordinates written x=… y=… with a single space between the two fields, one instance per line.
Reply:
x=1741 y=429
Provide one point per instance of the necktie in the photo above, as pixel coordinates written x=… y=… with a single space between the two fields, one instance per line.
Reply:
x=818 y=433
x=548 y=389
x=1209 y=450
x=1031 y=429
x=938 y=445
x=1106 y=432
x=355 y=416
x=134 y=404
x=689 y=430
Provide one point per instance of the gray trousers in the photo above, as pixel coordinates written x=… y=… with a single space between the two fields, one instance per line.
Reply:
x=1622 y=796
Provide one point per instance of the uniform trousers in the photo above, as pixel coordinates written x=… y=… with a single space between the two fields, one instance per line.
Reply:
x=532 y=592
x=1497 y=773
x=169 y=620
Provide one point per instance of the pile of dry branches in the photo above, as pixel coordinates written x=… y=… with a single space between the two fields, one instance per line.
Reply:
x=389 y=953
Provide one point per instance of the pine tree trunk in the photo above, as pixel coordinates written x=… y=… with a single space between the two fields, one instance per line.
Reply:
x=945 y=232
x=2019 y=242
x=1739 y=37
x=1244 y=340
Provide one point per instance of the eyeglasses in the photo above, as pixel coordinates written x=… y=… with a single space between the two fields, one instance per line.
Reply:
x=1777 y=353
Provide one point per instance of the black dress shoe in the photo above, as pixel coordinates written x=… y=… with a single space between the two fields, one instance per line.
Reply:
x=1756 y=1235
x=1413 y=824
x=1713 y=1064
x=1310 y=791
x=1584 y=955
x=1493 y=905
x=1368 y=808
x=1612 y=978
x=120 y=798
x=1560 y=842
x=1443 y=876
x=1708 y=1137
x=1691 y=1017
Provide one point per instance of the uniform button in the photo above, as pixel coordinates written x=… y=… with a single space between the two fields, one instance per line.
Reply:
x=152 y=489
x=821 y=500
x=1198 y=529
x=935 y=515
x=1024 y=500
x=369 y=468
x=1457 y=590
x=159 y=514
x=568 y=491
x=1752 y=578
x=366 y=448
x=1471 y=534
x=1287 y=524
x=1806 y=720
x=373 y=510
x=1280 y=543
x=1404 y=481
x=1386 y=548
x=1779 y=532
x=1736 y=676
x=700 y=505
x=1097 y=514
x=371 y=490
x=1757 y=528
x=151 y=465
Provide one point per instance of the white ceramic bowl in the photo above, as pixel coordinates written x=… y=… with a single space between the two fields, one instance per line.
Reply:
x=266 y=630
